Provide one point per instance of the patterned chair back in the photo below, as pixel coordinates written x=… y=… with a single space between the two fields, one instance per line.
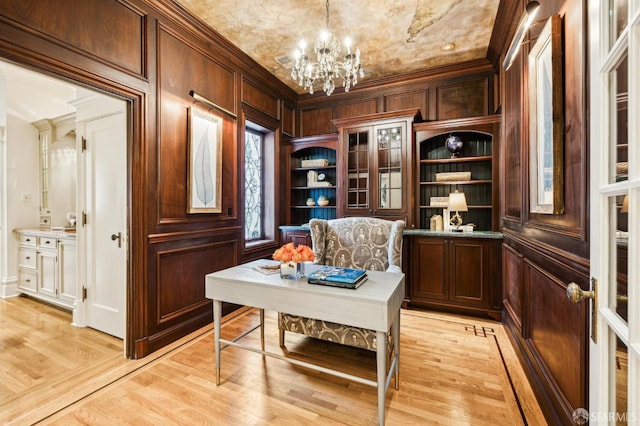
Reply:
x=358 y=242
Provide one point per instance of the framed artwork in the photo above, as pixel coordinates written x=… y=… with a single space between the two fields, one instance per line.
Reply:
x=205 y=162
x=546 y=121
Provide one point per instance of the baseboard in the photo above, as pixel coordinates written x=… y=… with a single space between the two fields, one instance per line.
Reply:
x=9 y=288
x=535 y=380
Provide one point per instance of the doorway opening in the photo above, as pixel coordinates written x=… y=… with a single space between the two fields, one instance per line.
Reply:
x=64 y=172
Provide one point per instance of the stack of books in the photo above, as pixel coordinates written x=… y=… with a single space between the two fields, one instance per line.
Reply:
x=338 y=277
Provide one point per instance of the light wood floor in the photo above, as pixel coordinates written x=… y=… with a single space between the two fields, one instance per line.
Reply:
x=454 y=371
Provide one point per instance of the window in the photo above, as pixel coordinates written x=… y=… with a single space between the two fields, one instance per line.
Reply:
x=260 y=170
x=253 y=185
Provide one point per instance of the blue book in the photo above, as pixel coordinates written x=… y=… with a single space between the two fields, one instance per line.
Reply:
x=335 y=274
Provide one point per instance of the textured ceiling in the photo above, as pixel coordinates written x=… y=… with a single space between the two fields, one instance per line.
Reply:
x=394 y=36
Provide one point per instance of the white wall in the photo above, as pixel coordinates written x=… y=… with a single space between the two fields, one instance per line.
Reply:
x=4 y=283
x=22 y=173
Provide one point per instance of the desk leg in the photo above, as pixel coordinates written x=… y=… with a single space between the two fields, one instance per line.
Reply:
x=396 y=345
x=381 y=358
x=217 y=313
x=262 y=329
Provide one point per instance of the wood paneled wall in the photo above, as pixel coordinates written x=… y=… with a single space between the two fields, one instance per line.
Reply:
x=542 y=253
x=463 y=90
x=152 y=54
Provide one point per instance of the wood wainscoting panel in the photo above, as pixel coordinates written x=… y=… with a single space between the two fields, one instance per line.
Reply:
x=109 y=31
x=181 y=269
x=316 y=121
x=408 y=100
x=555 y=334
x=288 y=119
x=259 y=99
x=179 y=58
x=357 y=108
x=512 y=286
x=468 y=99
x=176 y=304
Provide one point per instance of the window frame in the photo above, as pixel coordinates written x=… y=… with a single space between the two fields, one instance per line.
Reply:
x=250 y=128
x=270 y=130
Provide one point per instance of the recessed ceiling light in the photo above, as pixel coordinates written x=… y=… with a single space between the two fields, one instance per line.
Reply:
x=447 y=46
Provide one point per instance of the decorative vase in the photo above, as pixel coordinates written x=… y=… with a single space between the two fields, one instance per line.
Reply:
x=323 y=201
x=454 y=145
x=291 y=270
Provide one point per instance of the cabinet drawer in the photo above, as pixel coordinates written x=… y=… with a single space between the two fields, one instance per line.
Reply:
x=27 y=240
x=27 y=257
x=27 y=280
x=48 y=243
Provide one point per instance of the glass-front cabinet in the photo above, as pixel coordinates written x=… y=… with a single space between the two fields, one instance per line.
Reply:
x=377 y=152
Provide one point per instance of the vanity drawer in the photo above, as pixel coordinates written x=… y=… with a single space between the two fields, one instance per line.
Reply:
x=27 y=257
x=27 y=280
x=48 y=243
x=27 y=240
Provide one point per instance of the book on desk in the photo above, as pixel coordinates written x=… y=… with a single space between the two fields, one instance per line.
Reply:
x=336 y=276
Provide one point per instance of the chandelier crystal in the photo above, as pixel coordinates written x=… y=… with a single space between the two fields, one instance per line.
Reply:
x=328 y=66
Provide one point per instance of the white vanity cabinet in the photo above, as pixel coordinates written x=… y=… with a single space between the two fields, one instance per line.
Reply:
x=67 y=269
x=47 y=265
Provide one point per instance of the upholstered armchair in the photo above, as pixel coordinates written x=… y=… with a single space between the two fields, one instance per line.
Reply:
x=352 y=242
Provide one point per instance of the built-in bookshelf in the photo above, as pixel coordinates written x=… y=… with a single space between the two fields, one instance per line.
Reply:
x=476 y=157
x=313 y=176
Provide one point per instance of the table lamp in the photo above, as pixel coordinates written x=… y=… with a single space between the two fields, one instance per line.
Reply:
x=457 y=203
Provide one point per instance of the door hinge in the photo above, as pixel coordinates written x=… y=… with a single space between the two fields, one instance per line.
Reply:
x=84 y=294
x=84 y=218
x=84 y=144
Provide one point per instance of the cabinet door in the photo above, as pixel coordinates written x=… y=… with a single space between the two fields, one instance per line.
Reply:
x=389 y=167
x=358 y=182
x=67 y=261
x=429 y=269
x=297 y=237
x=48 y=273
x=470 y=263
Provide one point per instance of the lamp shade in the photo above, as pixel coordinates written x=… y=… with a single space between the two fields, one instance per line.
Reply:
x=625 y=204
x=458 y=202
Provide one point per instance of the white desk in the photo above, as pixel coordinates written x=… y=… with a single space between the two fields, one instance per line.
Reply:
x=375 y=305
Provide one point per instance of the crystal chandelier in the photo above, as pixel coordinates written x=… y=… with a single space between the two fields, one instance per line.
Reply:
x=328 y=67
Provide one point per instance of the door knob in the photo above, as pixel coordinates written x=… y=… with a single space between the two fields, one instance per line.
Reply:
x=118 y=237
x=576 y=294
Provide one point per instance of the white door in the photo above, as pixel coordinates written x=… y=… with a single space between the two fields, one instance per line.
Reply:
x=614 y=371
x=106 y=209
